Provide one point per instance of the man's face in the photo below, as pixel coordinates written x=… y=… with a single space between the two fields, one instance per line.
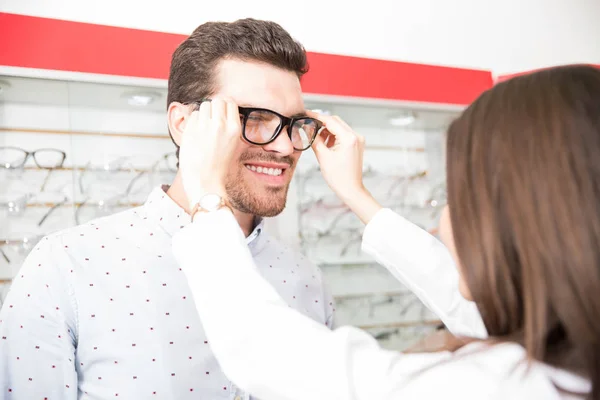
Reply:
x=254 y=184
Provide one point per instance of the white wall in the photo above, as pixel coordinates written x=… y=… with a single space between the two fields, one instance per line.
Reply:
x=503 y=36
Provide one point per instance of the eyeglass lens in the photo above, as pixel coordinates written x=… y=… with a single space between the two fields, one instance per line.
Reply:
x=48 y=158
x=303 y=132
x=12 y=158
x=261 y=125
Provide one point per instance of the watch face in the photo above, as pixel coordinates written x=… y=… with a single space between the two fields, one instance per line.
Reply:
x=210 y=202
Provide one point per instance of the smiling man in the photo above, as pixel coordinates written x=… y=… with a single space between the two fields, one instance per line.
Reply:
x=274 y=124
x=103 y=310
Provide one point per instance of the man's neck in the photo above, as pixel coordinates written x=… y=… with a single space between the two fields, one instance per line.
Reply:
x=177 y=194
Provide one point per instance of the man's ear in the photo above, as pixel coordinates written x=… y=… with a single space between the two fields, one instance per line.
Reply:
x=177 y=115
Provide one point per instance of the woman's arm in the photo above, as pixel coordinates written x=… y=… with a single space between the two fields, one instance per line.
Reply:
x=262 y=344
x=412 y=255
x=423 y=265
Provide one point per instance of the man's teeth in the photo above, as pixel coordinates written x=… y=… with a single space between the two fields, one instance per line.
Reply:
x=265 y=170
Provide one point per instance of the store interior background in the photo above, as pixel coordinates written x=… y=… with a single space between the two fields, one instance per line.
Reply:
x=112 y=129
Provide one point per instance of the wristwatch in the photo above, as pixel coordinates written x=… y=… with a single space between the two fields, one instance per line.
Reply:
x=210 y=203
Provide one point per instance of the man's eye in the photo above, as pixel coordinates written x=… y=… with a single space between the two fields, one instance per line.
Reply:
x=255 y=119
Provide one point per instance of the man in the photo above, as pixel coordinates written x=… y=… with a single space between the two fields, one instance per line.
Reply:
x=102 y=310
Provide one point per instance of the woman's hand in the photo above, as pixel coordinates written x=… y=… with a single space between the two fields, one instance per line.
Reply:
x=339 y=151
x=208 y=143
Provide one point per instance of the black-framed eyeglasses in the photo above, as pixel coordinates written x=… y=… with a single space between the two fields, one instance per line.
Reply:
x=261 y=126
x=15 y=157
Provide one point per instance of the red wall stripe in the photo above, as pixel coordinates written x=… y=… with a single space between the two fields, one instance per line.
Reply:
x=53 y=44
x=362 y=77
x=72 y=46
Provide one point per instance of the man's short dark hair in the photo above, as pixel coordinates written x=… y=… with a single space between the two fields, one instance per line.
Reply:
x=192 y=74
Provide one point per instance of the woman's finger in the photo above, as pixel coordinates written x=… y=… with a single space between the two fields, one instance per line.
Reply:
x=319 y=145
x=338 y=134
x=336 y=127
x=314 y=115
x=343 y=123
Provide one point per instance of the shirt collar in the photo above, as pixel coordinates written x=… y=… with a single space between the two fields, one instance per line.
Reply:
x=164 y=211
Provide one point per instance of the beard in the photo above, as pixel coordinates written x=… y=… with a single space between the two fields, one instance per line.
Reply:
x=253 y=199
x=269 y=203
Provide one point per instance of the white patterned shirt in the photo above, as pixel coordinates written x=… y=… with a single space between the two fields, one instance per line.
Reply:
x=103 y=311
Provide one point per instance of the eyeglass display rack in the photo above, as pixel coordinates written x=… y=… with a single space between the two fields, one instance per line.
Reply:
x=403 y=179
x=51 y=187
x=41 y=197
x=106 y=169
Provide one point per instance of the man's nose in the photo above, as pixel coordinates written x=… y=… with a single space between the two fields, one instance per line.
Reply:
x=282 y=145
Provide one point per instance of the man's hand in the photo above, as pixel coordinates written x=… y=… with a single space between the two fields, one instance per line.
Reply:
x=207 y=147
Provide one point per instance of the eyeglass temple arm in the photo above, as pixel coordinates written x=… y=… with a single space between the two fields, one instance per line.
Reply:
x=77 y=221
x=46 y=179
x=4 y=255
x=54 y=207
x=141 y=173
x=80 y=180
x=62 y=162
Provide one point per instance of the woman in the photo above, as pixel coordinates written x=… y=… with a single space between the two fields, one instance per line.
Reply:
x=522 y=226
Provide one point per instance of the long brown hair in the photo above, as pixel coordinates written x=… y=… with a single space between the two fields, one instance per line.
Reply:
x=523 y=164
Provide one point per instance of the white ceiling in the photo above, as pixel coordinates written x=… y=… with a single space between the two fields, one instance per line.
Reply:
x=110 y=96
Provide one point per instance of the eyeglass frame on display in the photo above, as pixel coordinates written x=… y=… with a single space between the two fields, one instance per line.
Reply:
x=54 y=207
x=7 y=242
x=150 y=170
x=28 y=196
x=32 y=155
x=87 y=168
x=4 y=255
x=113 y=200
x=22 y=200
x=283 y=122
x=306 y=207
x=120 y=169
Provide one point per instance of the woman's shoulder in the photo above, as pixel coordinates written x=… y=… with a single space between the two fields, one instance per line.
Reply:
x=494 y=371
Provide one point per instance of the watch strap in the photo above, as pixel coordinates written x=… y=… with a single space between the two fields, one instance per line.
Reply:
x=199 y=209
